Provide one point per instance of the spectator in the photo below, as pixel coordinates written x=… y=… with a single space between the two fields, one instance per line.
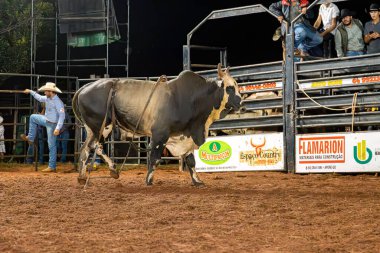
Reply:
x=327 y=17
x=305 y=35
x=63 y=137
x=2 y=145
x=52 y=120
x=372 y=30
x=349 y=36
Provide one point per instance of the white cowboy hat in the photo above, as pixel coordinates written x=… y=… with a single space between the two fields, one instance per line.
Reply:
x=50 y=87
x=1 y=119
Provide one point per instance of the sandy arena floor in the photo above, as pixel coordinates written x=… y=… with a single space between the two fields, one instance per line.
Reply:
x=235 y=212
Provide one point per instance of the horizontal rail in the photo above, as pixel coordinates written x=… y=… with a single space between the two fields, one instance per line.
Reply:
x=339 y=100
x=342 y=119
x=265 y=121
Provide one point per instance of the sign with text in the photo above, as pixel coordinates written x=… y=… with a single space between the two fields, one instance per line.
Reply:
x=257 y=152
x=317 y=84
x=346 y=152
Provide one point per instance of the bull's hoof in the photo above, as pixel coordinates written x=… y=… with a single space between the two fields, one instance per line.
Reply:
x=82 y=181
x=149 y=179
x=114 y=174
x=198 y=184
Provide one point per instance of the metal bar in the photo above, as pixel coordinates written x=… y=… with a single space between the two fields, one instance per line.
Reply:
x=128 y=20
x=56 y=45
x=83 y=19
x=240 y=11
x=263 y=102
x=246 y=69
x=107 y=35
x=200 y=47
x=338 y=63
x=339 y=100
x=31 y=42
x=266 y=121
x=197 y=65
x=38 y=75
x=73 y=60
x=343 y=119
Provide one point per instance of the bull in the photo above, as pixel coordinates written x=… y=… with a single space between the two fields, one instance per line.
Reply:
x=178 y=115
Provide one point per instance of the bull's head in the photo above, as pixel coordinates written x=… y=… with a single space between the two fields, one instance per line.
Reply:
x=258 y=147
x=231 y=89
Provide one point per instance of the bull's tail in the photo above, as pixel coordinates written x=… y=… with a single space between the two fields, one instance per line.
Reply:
x=75 y=103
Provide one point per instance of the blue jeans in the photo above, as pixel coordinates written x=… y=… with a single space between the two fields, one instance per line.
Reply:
x=305 y=38
x=354 y=53
x=30 y=152
x=62 y=144
x=40 y=120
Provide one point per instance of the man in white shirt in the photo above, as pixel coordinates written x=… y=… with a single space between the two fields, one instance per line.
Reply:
x=328 y=18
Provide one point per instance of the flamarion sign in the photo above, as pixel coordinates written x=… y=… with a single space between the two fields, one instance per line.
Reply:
x=348 y=152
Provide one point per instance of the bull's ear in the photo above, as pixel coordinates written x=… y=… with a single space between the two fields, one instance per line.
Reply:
x=220 y=71
x=227 y=71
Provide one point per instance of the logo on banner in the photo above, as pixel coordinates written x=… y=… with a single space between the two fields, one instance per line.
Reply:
x=314 y=150
x=215 y=152
x=360 y=153
x=260 y=156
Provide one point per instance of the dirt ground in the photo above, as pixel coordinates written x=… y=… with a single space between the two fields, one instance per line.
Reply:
x=235 y=212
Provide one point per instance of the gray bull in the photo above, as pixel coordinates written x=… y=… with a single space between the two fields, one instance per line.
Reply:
x=178 y=114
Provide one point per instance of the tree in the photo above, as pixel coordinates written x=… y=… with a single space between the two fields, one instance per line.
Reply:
x=15 y=30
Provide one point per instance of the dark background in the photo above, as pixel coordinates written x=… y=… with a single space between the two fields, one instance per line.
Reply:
x=158 y=31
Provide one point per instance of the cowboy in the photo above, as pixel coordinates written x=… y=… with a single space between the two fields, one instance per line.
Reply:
x=305 y=35
x=349 y=36
x=372 y=30
x=328 y=18
x=52 y=120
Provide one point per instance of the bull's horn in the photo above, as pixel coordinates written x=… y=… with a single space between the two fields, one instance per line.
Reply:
x=227 y=71
x=220 y=71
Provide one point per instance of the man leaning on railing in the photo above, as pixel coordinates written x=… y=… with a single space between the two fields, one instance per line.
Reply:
x=305 y=35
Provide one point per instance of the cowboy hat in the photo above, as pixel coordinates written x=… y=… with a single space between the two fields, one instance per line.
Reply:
x=346 y=12
x=374 y=7
x=50 y=87
x=1 y=119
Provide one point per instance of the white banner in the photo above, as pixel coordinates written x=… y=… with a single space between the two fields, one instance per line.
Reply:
x=258 y=152
x=308 y=85
x=345 y=152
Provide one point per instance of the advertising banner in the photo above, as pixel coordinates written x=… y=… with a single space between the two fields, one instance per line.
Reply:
x=345 y=152
x=257 y=152
x=318 y=84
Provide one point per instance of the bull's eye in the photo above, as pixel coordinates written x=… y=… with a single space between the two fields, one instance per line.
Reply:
x=230 y=89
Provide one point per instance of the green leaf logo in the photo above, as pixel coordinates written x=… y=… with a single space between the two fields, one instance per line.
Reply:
x=215 y=152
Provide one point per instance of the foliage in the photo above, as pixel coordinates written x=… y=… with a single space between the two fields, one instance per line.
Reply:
x=15 y=31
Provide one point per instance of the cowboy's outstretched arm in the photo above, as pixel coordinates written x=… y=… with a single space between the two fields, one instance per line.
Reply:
x=37 y=96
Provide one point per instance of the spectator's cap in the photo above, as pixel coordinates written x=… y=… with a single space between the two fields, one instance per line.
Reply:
x=50 y=87
x=1 y=119
x=346 y=12
x=374 y=7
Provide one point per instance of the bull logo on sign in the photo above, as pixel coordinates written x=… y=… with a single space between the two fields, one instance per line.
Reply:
x=258 y=147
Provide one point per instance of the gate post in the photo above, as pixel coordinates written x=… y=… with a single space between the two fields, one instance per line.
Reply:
x=289 y=102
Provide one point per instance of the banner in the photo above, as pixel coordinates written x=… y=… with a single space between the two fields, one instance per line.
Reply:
x=258 y=152
x=346 y=152
x=319 y=84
